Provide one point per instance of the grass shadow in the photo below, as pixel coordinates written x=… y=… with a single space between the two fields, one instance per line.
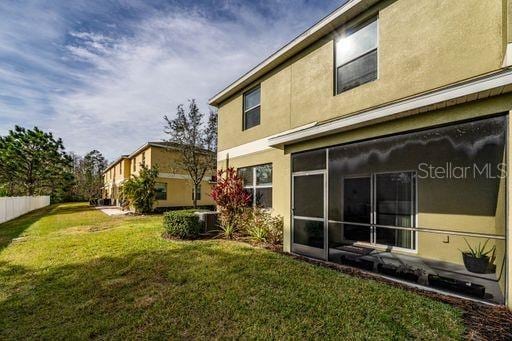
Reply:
x=208 y=290
x=14 y=228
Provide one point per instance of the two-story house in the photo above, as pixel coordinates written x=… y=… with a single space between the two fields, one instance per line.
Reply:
x=380 y=135
x=174 y=187
x=113 y=177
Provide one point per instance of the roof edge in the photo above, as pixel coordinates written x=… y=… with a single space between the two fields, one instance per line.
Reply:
x=294 y=46
x=487 y=82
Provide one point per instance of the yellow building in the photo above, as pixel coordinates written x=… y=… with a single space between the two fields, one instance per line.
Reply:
x=380 y=135
x=174 y=188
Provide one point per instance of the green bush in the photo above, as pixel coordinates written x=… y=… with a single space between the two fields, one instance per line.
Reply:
x=261 y=226
x=182 y=224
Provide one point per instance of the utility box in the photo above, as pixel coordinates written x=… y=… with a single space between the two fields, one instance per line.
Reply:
x=209 y=220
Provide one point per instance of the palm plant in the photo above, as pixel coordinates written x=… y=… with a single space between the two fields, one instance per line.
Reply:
x=139 y=191
x=478 y=251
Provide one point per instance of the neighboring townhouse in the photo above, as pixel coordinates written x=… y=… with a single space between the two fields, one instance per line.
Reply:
x=174 y=187
x=380 y=135
x=114 y=176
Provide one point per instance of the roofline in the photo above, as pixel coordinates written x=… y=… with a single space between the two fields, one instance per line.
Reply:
x=137 y=151
x=150 y=144
x=115 y=162
x=141 y=149
x=486 y=83
x=312 y=34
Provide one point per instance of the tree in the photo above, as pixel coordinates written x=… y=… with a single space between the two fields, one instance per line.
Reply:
x=139 y=191
x=196 y=140
x=231 y=198
x=88 y=173
x=33 y=162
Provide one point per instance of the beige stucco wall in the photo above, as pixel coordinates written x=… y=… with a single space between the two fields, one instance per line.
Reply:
x=137 y=158
x=447 y=40
x=179 y=193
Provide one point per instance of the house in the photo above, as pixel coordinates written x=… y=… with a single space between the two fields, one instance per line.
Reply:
x=380 y=135
x=174 y=187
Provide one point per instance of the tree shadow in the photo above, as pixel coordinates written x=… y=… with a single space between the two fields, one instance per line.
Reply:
x=13 y=229
x=202 y=290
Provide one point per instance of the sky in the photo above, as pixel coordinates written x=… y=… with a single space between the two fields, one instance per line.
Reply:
x=102 y=74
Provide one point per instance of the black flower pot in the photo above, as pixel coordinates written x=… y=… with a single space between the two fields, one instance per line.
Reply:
x=475 y=265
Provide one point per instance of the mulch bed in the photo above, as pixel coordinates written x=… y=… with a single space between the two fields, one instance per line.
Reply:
x=482 y=321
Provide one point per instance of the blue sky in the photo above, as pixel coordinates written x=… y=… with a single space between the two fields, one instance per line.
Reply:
x=101 y=74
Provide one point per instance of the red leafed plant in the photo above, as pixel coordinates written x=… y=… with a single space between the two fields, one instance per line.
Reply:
x=231 y=198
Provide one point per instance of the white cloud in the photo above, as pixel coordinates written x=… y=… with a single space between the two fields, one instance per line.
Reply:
x=132 y=80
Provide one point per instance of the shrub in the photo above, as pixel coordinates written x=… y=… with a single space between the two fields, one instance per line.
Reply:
x=261 y=226
x=231 y=198
x=182 y=224
x=139 y=191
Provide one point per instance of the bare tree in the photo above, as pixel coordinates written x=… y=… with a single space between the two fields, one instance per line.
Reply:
x=196 y=140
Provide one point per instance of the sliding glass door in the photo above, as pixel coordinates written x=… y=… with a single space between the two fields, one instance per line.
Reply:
x=357 y=208
x=395 y=205
x=374 y=204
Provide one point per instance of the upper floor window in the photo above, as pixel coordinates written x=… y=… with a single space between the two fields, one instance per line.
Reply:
x=134 y=161
x=258 y=182
x=252 y=108
x=143 y=158
x=120 y=168
x=356 y=56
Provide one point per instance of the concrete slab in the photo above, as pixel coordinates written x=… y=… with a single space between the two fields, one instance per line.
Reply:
x=112 y=210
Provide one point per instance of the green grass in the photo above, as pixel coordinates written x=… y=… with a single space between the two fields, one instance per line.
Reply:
x=72 y=272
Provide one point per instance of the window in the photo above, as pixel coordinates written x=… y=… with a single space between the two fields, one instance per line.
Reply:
x=252 y=108
x=120 y=168
x=134 y=161
x=356 y=56
x=161 y=191
x=144 y=158
x=197 y=192
x=258 y=182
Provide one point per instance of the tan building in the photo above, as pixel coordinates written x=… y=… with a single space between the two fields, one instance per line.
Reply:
x=380 y=135
x=174 y=186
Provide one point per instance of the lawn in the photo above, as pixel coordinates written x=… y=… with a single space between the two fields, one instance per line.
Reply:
x=69 y=271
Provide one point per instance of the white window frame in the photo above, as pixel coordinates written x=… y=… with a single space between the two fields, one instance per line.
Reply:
x=345 y=33
x=245 y=110
x=254 y=186
x=373 y=225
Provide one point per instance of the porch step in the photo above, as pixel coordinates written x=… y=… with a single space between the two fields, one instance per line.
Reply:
x=359 y=250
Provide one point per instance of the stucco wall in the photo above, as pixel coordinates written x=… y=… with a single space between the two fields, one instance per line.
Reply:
x=179 y=193
x=416 y=39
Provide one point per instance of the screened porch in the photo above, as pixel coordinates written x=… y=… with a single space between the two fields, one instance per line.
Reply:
x=426 y=206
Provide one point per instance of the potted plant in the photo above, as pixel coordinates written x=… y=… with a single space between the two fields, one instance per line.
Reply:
x=477 y=259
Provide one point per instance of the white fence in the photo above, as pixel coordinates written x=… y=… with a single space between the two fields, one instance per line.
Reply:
x=12 y=207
